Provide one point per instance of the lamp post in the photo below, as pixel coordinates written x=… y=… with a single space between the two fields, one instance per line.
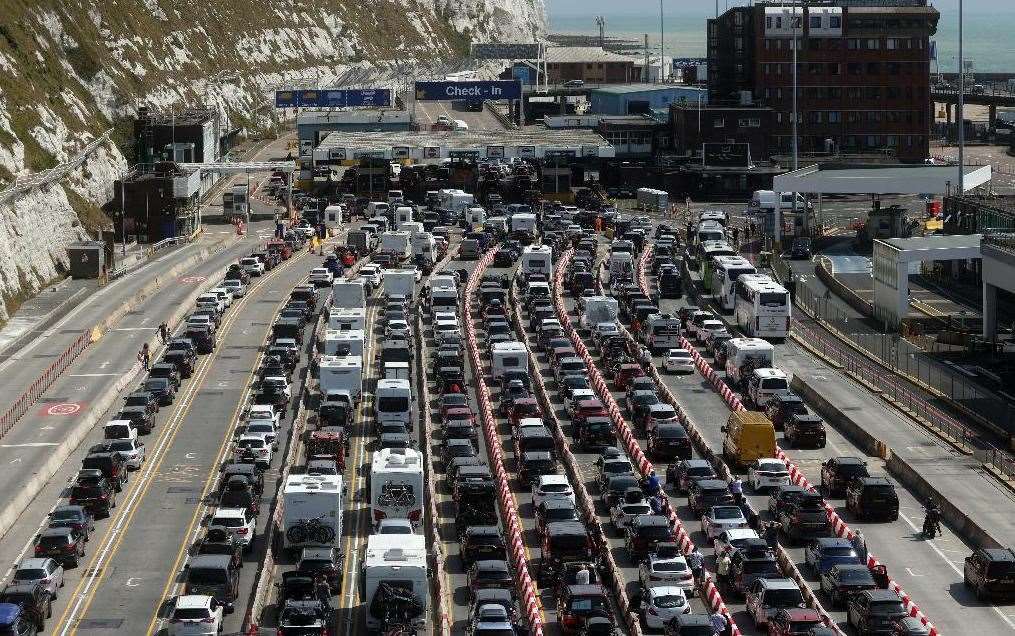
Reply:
x=661 y=49
x=958 y=114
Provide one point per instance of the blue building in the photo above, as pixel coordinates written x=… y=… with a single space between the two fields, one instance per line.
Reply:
x=638 y=99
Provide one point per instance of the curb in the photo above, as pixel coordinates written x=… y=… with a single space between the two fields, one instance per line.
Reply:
x=47 y=321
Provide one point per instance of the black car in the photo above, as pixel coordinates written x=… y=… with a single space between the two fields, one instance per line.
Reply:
x=183 y=362
x=682 y=474
x=457 y=447
x=139 y=417
x=483 y=543
x=837 y=472
x=705 y=493
x=614 y=488
x=110 y=465
x=64 y=545
x=667 y=441
x=33 y=597
x=145 y=400
x=991 y=574
x=326 y=562
x=168 y=371
x=874 y=611
x=72 y=516
x=162 y=389
x=872 y=498
x=845 y=579
x=203 y=339
x=644 y=533
x=804 y=431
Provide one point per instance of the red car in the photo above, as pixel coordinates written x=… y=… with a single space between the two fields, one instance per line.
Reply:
x=524 y=407
x=586 y=409
x=625 y=374
x=450 y=401
x=460 y=413
x=794 y=622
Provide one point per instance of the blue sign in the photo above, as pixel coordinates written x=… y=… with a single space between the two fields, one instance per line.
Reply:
x=448 y=91
x=314 y=98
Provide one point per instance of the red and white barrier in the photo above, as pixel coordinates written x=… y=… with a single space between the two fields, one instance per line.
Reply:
x=528 y=592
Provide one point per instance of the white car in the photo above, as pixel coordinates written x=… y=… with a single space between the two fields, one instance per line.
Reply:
x=732 y=538
x=256 y=444
x=397 y=330
x=306 y=229
x=720 y=518
x=279 y=383
x=252 y=266
x=527 y=422
x=767 y=473
x=679 y=361
x=200 y=321
x=40 y=570
x=622 y=513
x=240 y=523
x=372 y=274
x=669 y=570
x=131 y=450
x=395 y=526
x=235 y=287
x=224 y=295
x=321 y=277
x=195 y=615
x=264 y=428
x=551 y=487
x=445 y=315
x=604 y=329
x=662 y=604
x=711 y=327
x=264 y=412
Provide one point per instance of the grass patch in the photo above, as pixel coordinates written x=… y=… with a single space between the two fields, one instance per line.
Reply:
x=92 y=217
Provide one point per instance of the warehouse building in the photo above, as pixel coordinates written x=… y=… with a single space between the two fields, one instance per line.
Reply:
x=642 y=99
x=590 y=64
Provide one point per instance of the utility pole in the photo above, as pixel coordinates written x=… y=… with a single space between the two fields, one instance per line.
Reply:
x=123 y=213
x=661 y=36
x=646 y=57
x=958 y=113
x=601 y=23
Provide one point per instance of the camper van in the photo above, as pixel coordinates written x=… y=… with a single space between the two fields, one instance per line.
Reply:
x=394 y=402
x=394 y=572
x=333 y=215
x=620 y=267
x=536 y=259
x=312 y=511
x=345 y=319
x=396 y=485
x=343 y=374
x=745 y=355
x=396 y=244
x=599 y=309
x=508 y=356
x=348 y=294
x=342 y=343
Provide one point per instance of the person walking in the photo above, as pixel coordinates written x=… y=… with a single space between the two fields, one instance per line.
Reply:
x=696 y=562
x=737 y=489
x=646 y=357
x=722 y=566
x=146 y=359
x=860 y=545
x=772 y=534
x=164 y=333
x=736 y=237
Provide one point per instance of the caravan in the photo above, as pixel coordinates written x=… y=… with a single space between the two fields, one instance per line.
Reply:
x=396 y=485
x=312 y=511
x=349 y=294
x=394 y=579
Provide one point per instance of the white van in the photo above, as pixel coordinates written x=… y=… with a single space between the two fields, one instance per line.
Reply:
x=396 y=485
x=508 y=356
x=393 y=402
x=536 y=259
x=767 y=200
x=766 y=383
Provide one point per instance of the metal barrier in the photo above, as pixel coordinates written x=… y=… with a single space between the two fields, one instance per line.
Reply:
x=509 y=510
x=23 y=185
x=31 y=395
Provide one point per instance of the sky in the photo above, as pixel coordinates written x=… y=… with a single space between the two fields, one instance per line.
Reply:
x=707 y=7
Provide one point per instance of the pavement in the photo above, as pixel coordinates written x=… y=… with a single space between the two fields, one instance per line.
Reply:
x=930 y=571
x=134 y=558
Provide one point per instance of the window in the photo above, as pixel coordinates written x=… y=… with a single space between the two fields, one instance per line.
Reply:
x=872 y=44
x=778 y=69
x=778 y=93
x=815 y=117
x=852 y=44
x=719 y=122
x=749 y=123
x=872 y=141
x=834 y=117
x=853 y=68
x=853 y=117
x=815 y=21
x=834 y=92
x=766 y=69
x=833 y=68
x=891 y=44
x=768 y=23
x=796 y=22
x=768 y=93
x=892 y=92
x=854 y=92
x=873 y=68
x=815 y=44
x=738 y=42
x=873 y=92
x=893 y=68
x=778 y=118
x=814 y=68
x=778 y=22
x=768 y=43
x=835 y=22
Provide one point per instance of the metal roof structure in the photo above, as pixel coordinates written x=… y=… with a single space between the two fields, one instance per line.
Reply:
x=582 y=55
x=479 y=144
x=643 y=87
x=894 y=179
x=240 y=167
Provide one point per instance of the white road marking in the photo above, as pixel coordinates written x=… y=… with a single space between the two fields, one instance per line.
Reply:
x=29 y=445
x=90 y=375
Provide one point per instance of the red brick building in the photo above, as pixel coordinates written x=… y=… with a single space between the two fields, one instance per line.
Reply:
x=591 y=64
x=863 y=72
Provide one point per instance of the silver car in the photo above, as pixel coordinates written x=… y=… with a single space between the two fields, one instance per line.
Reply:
x=41 y=570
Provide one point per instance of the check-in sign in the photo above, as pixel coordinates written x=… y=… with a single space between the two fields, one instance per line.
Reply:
x=447 y=91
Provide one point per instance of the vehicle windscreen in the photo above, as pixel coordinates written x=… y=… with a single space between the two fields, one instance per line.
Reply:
x=555 y=488
x=634 y=510
x=53 y=542
x=727 y=513
x=190 y=613
x=774 y=384
x=772 y=299
x=393 y=404
x=783 y=598
x=700 y=471
x=30 y=574
x=587 y=604
x=670 y=601
x=207 y=576
x=654 y=532
x=887 y=607
x=879 y=493
x=227 y=522
x=122 y=445
x=855 y=577
x=1001 y=570
x=85 y=492
x=761 y=567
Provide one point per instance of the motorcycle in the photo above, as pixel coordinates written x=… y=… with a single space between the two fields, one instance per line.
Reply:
x=931 y=523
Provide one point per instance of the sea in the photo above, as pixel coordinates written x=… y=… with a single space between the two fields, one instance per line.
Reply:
x=988 y=36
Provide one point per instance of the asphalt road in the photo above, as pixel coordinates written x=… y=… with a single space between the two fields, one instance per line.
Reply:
x=930 y=571
x=428 y=112
x=134 y=560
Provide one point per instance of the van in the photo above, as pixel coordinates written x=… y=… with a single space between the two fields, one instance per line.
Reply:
x=214 y=575
x=508 y=356
x=766 y=200
x=469 y=250
x=747 y=437
x=764 y=384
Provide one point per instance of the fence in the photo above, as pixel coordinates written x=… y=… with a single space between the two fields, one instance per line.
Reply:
x=23 y=402
x=23 y=185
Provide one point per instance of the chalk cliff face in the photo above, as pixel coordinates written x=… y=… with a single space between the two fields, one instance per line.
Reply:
x=71 y=70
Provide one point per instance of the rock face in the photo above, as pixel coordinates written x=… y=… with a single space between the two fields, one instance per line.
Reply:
x=71 y=70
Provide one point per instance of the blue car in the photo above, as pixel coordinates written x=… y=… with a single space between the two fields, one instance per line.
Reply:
x=821 y=554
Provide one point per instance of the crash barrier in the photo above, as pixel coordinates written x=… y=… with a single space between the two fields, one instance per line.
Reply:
x=789 y=568
x=443 y=616
x=709 y=590
x=576 y=477
x=509 y=511
x=839 y=527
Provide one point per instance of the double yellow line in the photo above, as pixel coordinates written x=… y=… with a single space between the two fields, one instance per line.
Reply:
x=84 y=592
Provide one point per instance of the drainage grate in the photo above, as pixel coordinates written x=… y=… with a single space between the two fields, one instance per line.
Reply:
x=100 y=623
x=212 y=393
x=229 y=357
x=172 y=490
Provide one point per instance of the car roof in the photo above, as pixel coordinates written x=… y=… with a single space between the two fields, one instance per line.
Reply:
x=740 y=533
x=780 y=584
x=210 y=561
x=843 y=461
x=712 y=484
x=569 y=528
x=650 y=520
x=833 y=542
x=803 y=614
x=192 y=601
x=696 y=463
x=554 y=479
x=34 y=562
x=499 y=565
x=230 y=512
x=882 y=595
x=1000 y=554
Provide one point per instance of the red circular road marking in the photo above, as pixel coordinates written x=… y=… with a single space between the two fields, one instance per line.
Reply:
x=190 y=280
x=63 y=408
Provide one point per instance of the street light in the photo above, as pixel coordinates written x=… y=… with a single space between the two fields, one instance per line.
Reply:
x=958 y=114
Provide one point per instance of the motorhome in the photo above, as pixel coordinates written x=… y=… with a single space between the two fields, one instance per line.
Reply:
x=333 y=216
x=348 y=294
x=508 y=356
x=523 y=226
x=455 y=200
x=396 y=245
x=399 y=282
x=424 y=246
x=599 y=309
x=350 y=342
x=746 y=354
x=342 y=374
x=662 y=332
x=379 y=210
x=475 y=216
x=396 y=485
x=346 y=319
x=403 y=214
x=394 y=572
x=620 y=267
x=536 y=259
x=443 y=293
x=393 y=402
x=312 y=511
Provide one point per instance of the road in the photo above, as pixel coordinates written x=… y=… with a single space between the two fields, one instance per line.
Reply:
x=930 y=571
x=428 y=112
x=134 y=558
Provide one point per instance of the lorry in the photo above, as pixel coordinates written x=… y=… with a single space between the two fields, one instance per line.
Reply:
x=599 y=309
x=396 y=485
x=341 y=374
x=744 y=355
x=348 y=294
x=396 y=245
x=312 y=511
x=395 y=582
x=399 y=282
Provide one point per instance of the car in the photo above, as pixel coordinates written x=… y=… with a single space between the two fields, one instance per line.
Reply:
x=709 y=328
x=766 y=597
x=909 y=626
x=264 y=428
x=252 y=266
x=326 y=562
x=824 y=552
x=841 y=581
x=71 y=516
x=679 y=361
x=491 y=619
x=623 y=512
x=721 y=518
x=162 y=388
x=131 y=450
x=481 y=543
x=397 y=330
x=256 y=448
x=555 y=510
x=33 y=597
x=838 y=471
x=706 y=493
x=874 y=611
x=490 y=573
x=235 y=287
x=238 y=522
x=660 y=605
x=551 y=486
x=792 y=622
x=666 y=566
x=990 y=573
x=644 y=533
x=767 y=473
x=64 y=545
x=667 y=441
x=321 y=277
x=45 y=571
x=195 y=615
x=734 y=538
x=574 y=83
x=691 y=625
x=683 y=473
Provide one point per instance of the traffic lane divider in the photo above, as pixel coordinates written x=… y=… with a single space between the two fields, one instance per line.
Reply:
x=528 y=592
